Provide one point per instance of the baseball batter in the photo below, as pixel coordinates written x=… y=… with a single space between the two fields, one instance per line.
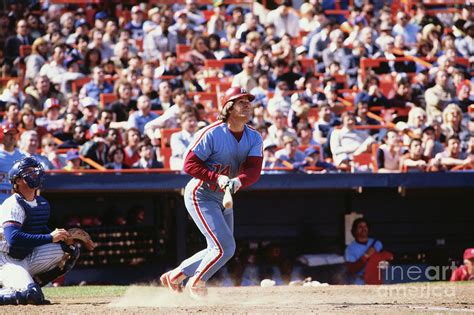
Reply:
x=8 y=155
x=227 y=153
x=30 y=255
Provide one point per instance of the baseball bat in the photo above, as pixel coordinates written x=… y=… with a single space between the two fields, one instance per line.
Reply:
x=228 y=201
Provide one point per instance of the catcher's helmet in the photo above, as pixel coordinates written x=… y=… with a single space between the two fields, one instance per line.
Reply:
x=29 y=169
x=230 y=95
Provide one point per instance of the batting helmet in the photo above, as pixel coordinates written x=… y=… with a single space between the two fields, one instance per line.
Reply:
x=231 y=95
x=29 y=169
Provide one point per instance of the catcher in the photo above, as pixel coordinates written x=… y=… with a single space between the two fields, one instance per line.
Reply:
x=31 y=255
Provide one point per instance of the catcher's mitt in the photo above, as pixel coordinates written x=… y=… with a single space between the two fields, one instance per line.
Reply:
x=79 y=235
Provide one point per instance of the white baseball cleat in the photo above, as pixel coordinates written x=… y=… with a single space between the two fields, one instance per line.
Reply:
x=172 y=282
x=196 y=289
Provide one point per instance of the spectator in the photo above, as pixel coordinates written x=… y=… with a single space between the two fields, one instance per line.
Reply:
x=233 y=52
x=452 y=156
x=51 y=120
x=323 y=126
x=67 y=131
x=281 y=100
x=347 y=141
x=90 y=112
x=466 y=44
x=170 y=117
x=97 y=85
x=216 y=23
x=286 y=21
x=405 y=28
x=168 y=67
x=135 y=26
x=290 y=154
x=180 y=141
x=279 y=128
x=371 y=93
x=73 y=161
x=8 y=155
x=115 y=158
x=360 y=250
x=414 y=127
x=78 y=138
x=452 y=123
x=29 y=145
x=124 y=103
x=106 y=51
x=132 y=139
x=49 y=150
x=144 y=114
x=12 y=93
x=246 y=78
x=438 y=96
x=96 y=148
x=11 y=115
x=37 y=58
x=250 y=25
x=261 y=90
x=42 y=90
x=463 y=96
x=160 y=41
x=431 y=145
x=388 y=154
x=199 y=52
x=465 y=272
x=403 y=97
x=55 y=70
x=188 y=80
x=12 y=45
x=337 y=52
x=93 y=58
x=28 y=122
x=147 y=159
x=307 y=21
x=252 y=44
x=313 y=162
x=269 y=159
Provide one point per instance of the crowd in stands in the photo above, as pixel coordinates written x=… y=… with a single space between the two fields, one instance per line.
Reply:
x=375 y=88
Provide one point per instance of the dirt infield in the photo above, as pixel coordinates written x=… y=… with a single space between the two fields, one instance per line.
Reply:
x=394 y=299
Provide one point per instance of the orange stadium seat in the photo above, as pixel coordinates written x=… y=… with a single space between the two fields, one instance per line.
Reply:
x=182 y=49
x=25 y=50
x=77 y=84
x=107 y=98
x=166 y=136
x=213 y=63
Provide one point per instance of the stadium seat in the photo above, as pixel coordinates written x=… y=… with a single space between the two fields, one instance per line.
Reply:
x=107 y=98
x=25 y=50
x=166 y=136
x=77 y=84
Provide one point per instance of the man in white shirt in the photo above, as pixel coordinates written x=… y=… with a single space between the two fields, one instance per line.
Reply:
x=180 y=140
x=286 y=21
x=347 y=141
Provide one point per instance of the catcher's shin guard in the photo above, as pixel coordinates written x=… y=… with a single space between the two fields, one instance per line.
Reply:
x=32 y=295
x=71 y=255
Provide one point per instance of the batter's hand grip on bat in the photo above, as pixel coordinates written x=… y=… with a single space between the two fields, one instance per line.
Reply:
x=228 y=201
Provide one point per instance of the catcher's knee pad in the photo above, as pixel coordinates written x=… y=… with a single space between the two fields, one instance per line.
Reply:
x=32 y=295
x=71 y=255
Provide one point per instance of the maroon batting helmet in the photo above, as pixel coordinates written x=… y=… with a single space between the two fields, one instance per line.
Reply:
x=230 y=95
x=234 y=93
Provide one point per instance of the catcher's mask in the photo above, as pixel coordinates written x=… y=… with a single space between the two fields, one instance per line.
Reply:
x=232 y=94
x=29 y=169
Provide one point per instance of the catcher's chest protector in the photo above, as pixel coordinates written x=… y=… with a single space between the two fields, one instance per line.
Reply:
x=36 y=220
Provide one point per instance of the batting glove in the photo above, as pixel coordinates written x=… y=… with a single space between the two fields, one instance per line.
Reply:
x=222 y=181
x=234 y=185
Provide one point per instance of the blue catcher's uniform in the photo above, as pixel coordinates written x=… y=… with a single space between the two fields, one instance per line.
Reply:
x=217 y=147
x=6 y=162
